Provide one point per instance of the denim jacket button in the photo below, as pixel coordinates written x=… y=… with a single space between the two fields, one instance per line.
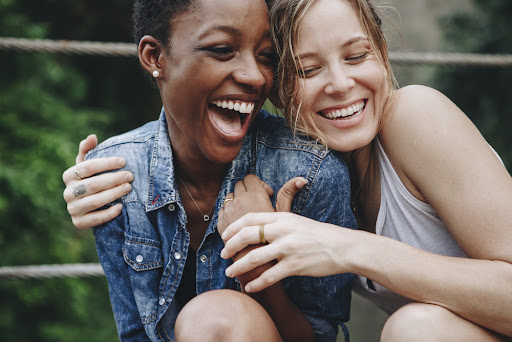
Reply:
x=171 y=207
x=161 y=301
x=203 y=258
x=177 y=255
x=139 y=258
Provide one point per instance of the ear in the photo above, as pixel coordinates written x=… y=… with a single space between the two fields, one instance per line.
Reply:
x=151 y=54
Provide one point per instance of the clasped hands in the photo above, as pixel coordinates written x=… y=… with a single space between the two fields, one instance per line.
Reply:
x=252 y=195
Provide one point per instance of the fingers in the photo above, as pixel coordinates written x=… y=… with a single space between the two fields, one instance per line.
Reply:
x=248 y=235
x=250 y=219
x=256 y=257
x=87 y=204
x=287 y=193
x=91 y=167
x=96 y=218
x=95 y=184
x=271 y=276
x=85 y=145
x=254 y=184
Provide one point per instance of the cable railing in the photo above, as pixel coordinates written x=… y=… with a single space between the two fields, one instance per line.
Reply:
x=130 y=50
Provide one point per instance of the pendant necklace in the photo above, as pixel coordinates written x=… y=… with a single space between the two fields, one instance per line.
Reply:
x=206 y=218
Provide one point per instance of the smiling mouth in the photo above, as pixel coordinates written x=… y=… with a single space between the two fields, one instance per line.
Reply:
x=231 y=117
x=342 y=113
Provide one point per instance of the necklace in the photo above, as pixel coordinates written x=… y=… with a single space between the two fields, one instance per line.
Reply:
x=206 y=218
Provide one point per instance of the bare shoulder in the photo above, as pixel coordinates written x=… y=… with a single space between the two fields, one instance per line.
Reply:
x=418 y=102
x=422 y=114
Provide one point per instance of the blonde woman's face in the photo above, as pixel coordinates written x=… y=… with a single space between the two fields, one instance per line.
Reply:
x=343 y=86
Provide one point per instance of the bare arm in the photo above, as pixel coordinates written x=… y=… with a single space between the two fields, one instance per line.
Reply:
x=446 y=162
x=84 y=196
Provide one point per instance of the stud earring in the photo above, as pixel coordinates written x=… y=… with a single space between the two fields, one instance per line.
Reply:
x=156 y=74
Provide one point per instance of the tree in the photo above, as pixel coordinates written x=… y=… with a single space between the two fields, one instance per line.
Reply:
x=483 y=93
x=49 y=103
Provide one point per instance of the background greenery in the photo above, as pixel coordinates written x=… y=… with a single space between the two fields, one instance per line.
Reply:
x=49 y=102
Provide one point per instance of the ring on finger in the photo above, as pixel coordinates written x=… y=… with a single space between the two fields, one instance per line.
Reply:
x=78 y=174
x=227 y=200
x=262 y=234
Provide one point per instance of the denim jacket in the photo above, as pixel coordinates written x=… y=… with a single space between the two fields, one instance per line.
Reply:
x=143 y=251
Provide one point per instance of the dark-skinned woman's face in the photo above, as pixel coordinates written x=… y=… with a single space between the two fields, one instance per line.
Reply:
x=218 y=72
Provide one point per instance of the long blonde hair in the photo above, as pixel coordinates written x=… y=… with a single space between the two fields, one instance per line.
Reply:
x=285 y=19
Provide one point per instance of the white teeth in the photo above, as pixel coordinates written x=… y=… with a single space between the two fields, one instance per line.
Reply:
x=343 y=113
x=239 y=106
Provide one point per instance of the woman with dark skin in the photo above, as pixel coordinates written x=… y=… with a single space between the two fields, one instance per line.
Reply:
x=159 y=245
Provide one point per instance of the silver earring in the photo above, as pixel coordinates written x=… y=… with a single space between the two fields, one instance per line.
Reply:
x=156 y=74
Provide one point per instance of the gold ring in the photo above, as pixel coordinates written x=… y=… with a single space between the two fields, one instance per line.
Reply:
x=262 y=234
x=226 y=201
x=78 y=174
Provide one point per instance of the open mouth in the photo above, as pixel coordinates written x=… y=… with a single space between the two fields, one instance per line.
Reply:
x=342 y=113
x=231 y=117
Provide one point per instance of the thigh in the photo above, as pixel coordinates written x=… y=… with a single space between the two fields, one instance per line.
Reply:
x=427 y=322
x=225 y=315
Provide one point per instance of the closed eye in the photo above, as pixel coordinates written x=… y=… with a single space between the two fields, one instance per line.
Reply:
x=308 y=72
x=358 y=58
x=220 y=51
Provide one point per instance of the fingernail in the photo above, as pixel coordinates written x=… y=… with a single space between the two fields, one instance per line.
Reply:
x=248 y=288
x=229 y=273
x=223 y=254
x=121 y=162
x=127 y=188
x=300 y=183
x=129 y=177
x=223 y=236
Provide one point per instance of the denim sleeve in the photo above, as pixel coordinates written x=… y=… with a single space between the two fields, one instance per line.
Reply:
x=109 y=241
x=325 y=300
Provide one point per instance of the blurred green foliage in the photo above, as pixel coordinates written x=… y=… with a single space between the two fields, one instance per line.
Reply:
x=49 y=102
x=483 y=93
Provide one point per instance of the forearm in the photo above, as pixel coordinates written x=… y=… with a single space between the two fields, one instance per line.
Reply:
x=289 y=320
x=478 y=290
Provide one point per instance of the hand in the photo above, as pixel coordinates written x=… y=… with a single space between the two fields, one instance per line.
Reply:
x=85 y=195
x=250 y=195
x=301 y=246
x=253 y=195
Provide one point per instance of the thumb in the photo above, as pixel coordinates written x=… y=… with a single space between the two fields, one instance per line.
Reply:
x=287 y=193
x=85 y=145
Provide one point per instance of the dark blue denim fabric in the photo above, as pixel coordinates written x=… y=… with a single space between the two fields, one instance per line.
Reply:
x=143 y=251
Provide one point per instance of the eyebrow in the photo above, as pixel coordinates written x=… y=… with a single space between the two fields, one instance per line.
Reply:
x=347 y=43
x=223 y=28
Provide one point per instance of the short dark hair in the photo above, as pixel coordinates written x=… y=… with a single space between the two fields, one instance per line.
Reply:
x=153 y=17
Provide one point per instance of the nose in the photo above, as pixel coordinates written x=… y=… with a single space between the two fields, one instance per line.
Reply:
x=251 y=74
x=340 y=81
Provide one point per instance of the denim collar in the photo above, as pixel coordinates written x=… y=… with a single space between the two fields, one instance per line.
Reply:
x=161 y=185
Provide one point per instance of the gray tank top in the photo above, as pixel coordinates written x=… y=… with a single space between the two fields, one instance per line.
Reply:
x=404 y=218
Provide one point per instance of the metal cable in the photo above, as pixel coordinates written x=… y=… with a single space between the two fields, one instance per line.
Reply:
x=69 y=47
x=51 y=271
x=130 y=50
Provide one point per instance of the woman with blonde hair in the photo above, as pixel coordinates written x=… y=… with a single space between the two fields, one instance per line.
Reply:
x=431 y=197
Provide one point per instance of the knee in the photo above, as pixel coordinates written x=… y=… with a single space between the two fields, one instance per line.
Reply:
x=219 y=315
x=415 y=322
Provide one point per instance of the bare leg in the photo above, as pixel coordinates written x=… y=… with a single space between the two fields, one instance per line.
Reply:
x=427 y=322
x=224 y=315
